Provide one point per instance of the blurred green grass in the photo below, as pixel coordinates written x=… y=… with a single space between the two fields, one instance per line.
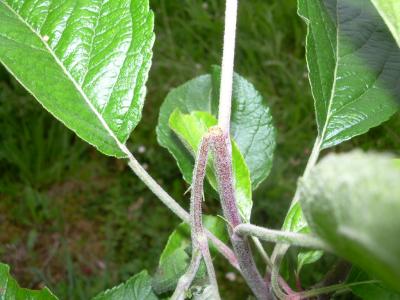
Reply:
x=80 y=222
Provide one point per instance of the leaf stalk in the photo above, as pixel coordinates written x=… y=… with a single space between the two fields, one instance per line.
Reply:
x=284 y=237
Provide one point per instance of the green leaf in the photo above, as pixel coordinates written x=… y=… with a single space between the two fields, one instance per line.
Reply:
x=137 y=287
x=175 y=257
x=85 y=61
x=10 y=290
x=354 y=66
x=371 y=291
x=251 y=122
x=190 y=128
x=307 y=258
x=390 y=12
x=352 y=202
x=295 y=222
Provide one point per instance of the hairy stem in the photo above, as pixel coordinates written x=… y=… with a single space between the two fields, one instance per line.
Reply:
x=168 y=201
x=199 y=239
x=186 y=279
x=223 y=165
x=285 y=237
x=228 y=57
x=275 y=278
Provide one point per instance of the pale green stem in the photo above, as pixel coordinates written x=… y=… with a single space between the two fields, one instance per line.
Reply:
x=228 y=58
x=281 y=249
x=262 y=252
x=332 y=288
x=168 y=201
x=186 y=279
x=284 y=237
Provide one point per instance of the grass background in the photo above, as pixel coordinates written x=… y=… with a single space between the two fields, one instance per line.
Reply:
x=80 y=222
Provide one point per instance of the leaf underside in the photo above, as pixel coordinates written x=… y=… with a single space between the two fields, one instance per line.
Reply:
x=86 y=62
x=352 y=202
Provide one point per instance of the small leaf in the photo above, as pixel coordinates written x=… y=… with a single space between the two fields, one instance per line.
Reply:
x=352 y=202
x=191 y=128
x=137 y=287
x=295 y=222
x=10 y=290
x=175 y=257
x=251 y=122
x=371 y=291
x=390 y=12
x=307 y=258
x=354 y=67
x=85 y=61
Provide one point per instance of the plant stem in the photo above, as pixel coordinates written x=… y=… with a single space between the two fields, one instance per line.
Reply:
x=277 y=260
x=186 y=279
x=225 y=96
x=228 y=57
x=281 y=249
x=262 y=252
x=157 y=189
x=285 y=237
x=168 y=201
x=332 y=288
x=199 y=239
x=336 y=275
x=223 y=165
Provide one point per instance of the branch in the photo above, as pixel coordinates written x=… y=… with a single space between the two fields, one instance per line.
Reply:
x=199 y=239
x=168 y=201
x=285 y=237
x=228 y=57
x=223 y=165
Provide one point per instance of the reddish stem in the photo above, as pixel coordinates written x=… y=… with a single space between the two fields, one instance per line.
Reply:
x=223 y=165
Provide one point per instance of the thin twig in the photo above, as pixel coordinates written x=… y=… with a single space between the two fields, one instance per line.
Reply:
x=199 y=239
x=285 y=237
x=281 y=249
x=168 y=201
x=186 y=279
x=262 y=252
x=336 y=275
x=333 y=288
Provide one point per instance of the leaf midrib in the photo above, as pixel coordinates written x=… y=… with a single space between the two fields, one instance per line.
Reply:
x=103 y=122
x=329 y=110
